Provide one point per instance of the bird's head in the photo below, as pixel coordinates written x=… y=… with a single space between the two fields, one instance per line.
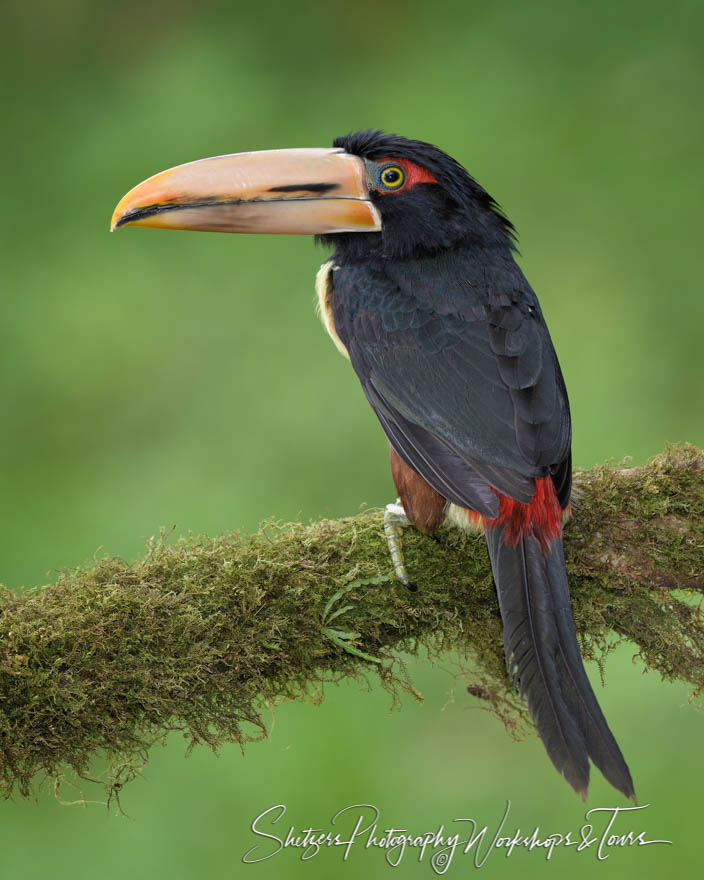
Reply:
x=371 y=195
x=426 y=199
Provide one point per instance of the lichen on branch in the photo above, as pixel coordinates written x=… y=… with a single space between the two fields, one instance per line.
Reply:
x=201 y=633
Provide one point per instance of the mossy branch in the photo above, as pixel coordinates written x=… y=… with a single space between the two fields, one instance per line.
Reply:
x=198 y=636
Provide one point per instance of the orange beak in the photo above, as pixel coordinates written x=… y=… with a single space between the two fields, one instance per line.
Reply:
x=309 y=191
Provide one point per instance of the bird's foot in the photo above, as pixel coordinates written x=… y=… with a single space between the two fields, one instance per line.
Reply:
x=395 y=521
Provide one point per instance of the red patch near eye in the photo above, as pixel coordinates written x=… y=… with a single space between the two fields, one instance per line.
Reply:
x=414 y=173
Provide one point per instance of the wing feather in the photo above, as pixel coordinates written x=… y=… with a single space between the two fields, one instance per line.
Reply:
x=463 y=377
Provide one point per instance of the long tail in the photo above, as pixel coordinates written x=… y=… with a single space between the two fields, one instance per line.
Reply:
x=542 y=653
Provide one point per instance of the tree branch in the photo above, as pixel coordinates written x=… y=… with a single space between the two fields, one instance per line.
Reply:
x=199 y=635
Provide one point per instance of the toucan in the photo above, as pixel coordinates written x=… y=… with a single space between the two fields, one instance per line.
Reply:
x=425 y=298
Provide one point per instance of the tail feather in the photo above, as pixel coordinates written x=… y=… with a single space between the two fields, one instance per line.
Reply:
x=543 y=657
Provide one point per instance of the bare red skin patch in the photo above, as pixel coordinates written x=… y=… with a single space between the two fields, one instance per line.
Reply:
x=542 y=518
x=414 y=174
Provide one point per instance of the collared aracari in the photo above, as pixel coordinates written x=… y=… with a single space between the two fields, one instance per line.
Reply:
x=424 y=297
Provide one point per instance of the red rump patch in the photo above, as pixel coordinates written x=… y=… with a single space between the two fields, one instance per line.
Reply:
x=542 y=518
x=414 y=173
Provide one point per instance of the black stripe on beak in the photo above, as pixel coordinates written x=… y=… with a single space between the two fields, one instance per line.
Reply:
x=321 y=188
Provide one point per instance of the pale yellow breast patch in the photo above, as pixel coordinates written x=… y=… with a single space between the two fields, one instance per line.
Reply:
x=457 y=518
x=324 y=292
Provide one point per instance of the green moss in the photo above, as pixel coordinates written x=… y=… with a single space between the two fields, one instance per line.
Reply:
x=200 y=634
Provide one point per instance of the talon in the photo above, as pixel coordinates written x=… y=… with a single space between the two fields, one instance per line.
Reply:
x=395 y=520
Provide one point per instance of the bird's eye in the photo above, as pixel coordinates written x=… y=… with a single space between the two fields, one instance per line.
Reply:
x=392 y=177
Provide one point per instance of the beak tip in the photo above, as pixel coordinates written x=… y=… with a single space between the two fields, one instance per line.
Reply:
x=118 y=219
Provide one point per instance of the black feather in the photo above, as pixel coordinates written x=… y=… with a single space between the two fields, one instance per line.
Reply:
x=421 y=339
x=543 y=656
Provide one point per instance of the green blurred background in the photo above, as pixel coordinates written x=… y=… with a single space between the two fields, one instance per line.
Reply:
x=154 y=378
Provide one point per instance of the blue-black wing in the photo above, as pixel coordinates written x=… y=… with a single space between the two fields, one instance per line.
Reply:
x=460 y=369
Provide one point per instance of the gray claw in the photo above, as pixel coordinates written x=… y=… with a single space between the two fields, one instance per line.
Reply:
x=395 y=520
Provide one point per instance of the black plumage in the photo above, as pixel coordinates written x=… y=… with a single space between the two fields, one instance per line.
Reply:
x=460 y=360
x=453 y=353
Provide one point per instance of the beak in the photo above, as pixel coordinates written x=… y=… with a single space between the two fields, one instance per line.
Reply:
x=311 y=191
